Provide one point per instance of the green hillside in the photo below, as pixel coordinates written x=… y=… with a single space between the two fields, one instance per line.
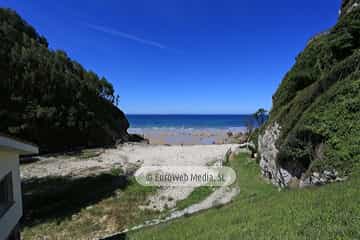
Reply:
x=49 y=99
x=318 y=103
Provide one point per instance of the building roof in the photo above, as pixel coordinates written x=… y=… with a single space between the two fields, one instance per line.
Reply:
x=20 y=146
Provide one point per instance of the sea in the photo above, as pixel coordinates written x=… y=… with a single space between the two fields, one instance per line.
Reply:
x=188 y=129
x=189 y=121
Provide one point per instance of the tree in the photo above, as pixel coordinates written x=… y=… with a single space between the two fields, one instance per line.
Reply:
x=49 y=99
x=260 y=116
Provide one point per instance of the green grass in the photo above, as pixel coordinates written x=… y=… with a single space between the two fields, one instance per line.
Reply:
x=199 y=194
x=263 y=212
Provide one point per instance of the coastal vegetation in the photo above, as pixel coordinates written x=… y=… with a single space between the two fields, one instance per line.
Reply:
x=317 y=105
x=260 y=116
x=48 y=98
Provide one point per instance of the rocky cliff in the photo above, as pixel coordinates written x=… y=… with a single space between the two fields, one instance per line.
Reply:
x=313 y=132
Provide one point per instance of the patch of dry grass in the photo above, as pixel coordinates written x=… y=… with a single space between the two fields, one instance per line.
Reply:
x=84 y=208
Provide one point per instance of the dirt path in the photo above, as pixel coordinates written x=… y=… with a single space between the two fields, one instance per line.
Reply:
x=221 y=196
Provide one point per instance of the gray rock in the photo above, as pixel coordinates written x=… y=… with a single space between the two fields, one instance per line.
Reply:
x=268 y=155
x=305 y=183
x=227 y=156
x=279 y=176
x=247 y=145
x=317 y=179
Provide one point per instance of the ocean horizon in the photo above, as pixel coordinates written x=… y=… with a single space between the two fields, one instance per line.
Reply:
x=190 y=121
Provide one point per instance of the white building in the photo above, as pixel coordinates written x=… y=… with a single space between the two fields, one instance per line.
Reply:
x=10 y=185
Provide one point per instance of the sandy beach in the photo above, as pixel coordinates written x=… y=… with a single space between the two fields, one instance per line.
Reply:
x=127 y=157
x=190 y=136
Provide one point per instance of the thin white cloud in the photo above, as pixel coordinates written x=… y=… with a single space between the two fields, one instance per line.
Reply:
x=117 y=33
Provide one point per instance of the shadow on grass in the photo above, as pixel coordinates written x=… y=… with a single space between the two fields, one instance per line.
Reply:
x=121 y=236
x=61 y=197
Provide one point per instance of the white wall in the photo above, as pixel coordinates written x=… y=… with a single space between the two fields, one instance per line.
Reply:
x=9 y=161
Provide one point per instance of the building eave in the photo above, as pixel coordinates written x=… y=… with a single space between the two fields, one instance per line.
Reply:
x=10 y=143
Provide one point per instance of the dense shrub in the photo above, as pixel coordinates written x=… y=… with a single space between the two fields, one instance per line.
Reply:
x=49 y=99
x=318 y=102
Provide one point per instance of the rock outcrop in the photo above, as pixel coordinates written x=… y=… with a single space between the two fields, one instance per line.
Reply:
x=320 y=178
x=268 y=158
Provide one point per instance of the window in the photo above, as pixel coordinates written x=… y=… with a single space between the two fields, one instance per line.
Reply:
x=6 y=194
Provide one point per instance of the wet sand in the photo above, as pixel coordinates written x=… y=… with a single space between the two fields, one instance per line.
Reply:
x=189 y=136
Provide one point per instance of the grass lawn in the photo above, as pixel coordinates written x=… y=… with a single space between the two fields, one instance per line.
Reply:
x=262 y=212
x=198 y=195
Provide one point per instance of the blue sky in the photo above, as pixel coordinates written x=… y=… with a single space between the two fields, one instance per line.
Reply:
x=171 y=56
